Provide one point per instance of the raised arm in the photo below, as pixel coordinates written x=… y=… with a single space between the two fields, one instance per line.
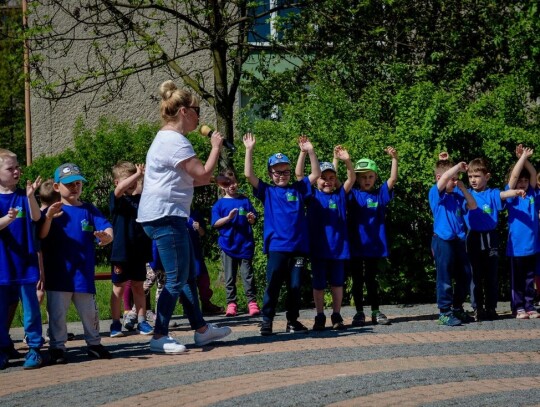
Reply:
x=342 y=154
x=512 y=193
x=249 y=143
x=392 y=152
x=123 y=185
x=300 y=164
x=202 y=174
x=523 y=153
x=449 y=174
x=471 y=202
x=305 y=145
x=31 y=188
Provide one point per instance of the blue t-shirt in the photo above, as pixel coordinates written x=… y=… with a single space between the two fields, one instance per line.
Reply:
x=367 y=212
x=18 y=251
x=485 y=217
x=236 y=236
x=523 y=224
x=447 y=209
x=130 y=242
x=327 y=224
x=285 y=226
x=69 y=249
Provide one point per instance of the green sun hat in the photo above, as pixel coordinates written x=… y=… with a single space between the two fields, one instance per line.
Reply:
x=365 y=164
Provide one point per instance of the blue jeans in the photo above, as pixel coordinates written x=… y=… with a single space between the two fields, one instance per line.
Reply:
x=283 y=267
x=452 y=263
x=31 y=313
x=176 y=252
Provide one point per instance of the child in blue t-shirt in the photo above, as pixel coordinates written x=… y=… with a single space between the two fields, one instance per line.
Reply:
x=369 y=246
x=285 y=230
x=523 y=241
x=19 y=269
x=68 y=247
x=448 y=242
x=483 y=238
x=537 y=274
x=233 y=216
x=327 y=220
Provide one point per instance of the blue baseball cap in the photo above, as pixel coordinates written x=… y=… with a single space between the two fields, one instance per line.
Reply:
x=68 y=173
x=325 y=166
x=278 y=158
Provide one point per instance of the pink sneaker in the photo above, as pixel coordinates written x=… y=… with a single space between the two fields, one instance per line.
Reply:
x=253 y=309
x=533 y=314
x=231 y=310
x=522 y=314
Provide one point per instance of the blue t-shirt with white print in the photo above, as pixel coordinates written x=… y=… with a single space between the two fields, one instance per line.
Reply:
x=285 y=225
x=447 y=209
x=523 y=224
x=485 y=217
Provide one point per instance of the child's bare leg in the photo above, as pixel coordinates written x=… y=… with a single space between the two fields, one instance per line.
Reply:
x=137 y=288
x=337 y=299
x=116 y=300
x=318 y=299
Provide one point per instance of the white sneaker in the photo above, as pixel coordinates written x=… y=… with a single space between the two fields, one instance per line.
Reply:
x=166 y=344
x=213 y=333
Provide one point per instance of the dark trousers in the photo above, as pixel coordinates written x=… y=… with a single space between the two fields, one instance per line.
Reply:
x=282 y=267
x=364 y=270
x=522 y=282
x=483 y=251
x=452 y=263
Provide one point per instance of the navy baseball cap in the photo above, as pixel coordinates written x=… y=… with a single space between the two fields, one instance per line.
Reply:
x=278 y=158
x=68 y=173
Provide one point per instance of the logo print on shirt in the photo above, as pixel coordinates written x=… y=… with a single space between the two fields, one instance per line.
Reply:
x=21 y=213
x=242 y=211
x=458 y=212
x=486 y=209
x=86 y=227
x=531 y=200
x=371 y=203
x=291 y=197
x=332 y=204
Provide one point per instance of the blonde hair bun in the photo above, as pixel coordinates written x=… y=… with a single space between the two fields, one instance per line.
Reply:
x=166 y=89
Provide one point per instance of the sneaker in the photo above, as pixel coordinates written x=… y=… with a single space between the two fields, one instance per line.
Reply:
x=377 y=317
x=320 y=322
x=4 y=359
x=462 y=315
x=533 y=314
x=166 y=344
x=359 y=319
x=231 y=309
x=130 y=320
x=98 y=352
x=213 y=333
x=71 y=336
x=266 y=328
x=491 y=315
x=449 y=319
x=337 y=322
x=522 y=314
x=296 y=327
x=145 y=328
x=33 y=359
x=116 y=329
x=150 y=316
x=57 y=357
x=480 y=315
x=211 y=309
x=253 y=309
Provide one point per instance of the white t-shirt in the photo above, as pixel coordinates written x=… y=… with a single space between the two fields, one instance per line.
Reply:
x=168 y=189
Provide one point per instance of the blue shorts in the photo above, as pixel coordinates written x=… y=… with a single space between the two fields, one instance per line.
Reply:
x=126 y=271
x=330 y=270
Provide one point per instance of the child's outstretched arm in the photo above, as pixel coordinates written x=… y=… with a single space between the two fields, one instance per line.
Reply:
x=300 y=164
x=471 y=202
x=6 y=220
x=449 y=174
x=523 y=153
x=392 y=152
x=123 y=185
x=53 y=211
x=31 y=188
x=305 y=145
x=104 y=236
x=226 y=219
x=249 y=143
x=512 y=193
x=342 y=154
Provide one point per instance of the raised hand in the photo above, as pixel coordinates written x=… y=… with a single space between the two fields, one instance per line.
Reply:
x=443 y=156
x=249 y=140
x=304 y=144
x=392 y=152
x=341 y=153
x=32 y=187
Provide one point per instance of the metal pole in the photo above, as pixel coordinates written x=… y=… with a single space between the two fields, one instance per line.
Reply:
x=27 y=116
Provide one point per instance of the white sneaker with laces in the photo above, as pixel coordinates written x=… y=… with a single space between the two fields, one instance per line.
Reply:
x=166 y=344
x=213 y=333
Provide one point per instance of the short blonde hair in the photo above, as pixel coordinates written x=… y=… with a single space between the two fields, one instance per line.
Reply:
x=47 y=193
x=5 y=154
x=172 y=99
x=123 y=169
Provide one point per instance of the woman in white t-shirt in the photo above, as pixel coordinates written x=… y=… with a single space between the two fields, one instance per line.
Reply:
x=172 y=170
